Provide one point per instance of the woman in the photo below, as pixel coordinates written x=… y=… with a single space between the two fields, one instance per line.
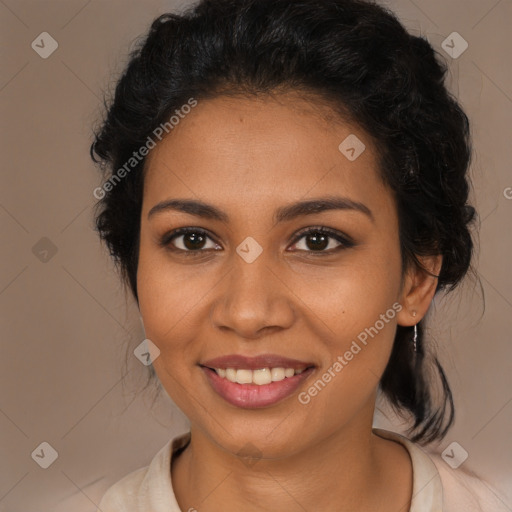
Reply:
x=286 y=191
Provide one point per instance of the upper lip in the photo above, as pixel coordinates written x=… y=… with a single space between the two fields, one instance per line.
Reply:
x=239 y=362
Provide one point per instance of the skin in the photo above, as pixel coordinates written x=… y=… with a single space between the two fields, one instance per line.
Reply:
x=248 y=157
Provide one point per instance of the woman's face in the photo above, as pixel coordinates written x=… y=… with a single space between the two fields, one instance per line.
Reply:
x=247 y=282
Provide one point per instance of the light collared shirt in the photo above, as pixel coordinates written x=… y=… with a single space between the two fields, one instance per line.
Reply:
x=436 y=486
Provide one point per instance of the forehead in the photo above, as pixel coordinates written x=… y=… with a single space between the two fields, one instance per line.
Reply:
x=251 y=150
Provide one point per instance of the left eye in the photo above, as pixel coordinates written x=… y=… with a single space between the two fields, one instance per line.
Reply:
x=321 y=240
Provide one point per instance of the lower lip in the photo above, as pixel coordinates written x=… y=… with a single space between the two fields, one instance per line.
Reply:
x=252 y=396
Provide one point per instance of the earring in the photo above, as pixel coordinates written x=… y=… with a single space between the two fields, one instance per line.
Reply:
x=415 y=336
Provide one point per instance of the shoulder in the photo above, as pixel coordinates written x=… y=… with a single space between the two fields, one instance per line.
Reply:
x=122 y=496
x=463 y=489
x=436 y=486
x=146 y=488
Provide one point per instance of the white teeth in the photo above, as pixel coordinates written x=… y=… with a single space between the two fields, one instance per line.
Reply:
x=260 y=377
x=244 y=376
x=230 y=374
x=277 y=374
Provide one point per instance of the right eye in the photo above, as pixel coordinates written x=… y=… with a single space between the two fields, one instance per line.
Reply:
x=188 y=240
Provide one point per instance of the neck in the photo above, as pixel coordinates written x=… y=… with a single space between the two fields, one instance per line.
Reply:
x=345 y=471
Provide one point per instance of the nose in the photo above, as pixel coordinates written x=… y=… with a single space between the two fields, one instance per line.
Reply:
x=253 y=300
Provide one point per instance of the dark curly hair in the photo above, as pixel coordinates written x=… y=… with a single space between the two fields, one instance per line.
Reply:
x=354 y=56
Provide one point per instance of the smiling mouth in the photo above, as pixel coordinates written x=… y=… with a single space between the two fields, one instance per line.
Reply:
x=254 y=389
x=255 y=382
x=260 y=377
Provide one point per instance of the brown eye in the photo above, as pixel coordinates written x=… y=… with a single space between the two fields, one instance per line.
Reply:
x=188 y=240
x=321 y=240
x=317 y=241
x=193 y=241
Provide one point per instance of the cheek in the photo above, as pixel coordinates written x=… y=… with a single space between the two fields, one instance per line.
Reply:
x=351 y=296
x=170 y=296
x=359 y=324
x=169 y=303
x=353 y=310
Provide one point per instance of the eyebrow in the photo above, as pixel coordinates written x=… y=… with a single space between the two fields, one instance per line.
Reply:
x=282 y=214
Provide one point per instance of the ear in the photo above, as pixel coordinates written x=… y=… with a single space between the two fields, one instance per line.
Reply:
x=418 y=290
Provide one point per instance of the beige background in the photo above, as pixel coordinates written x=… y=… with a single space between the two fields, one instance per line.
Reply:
x=66 y=322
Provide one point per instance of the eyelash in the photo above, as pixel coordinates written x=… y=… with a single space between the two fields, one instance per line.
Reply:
x=345 y=241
